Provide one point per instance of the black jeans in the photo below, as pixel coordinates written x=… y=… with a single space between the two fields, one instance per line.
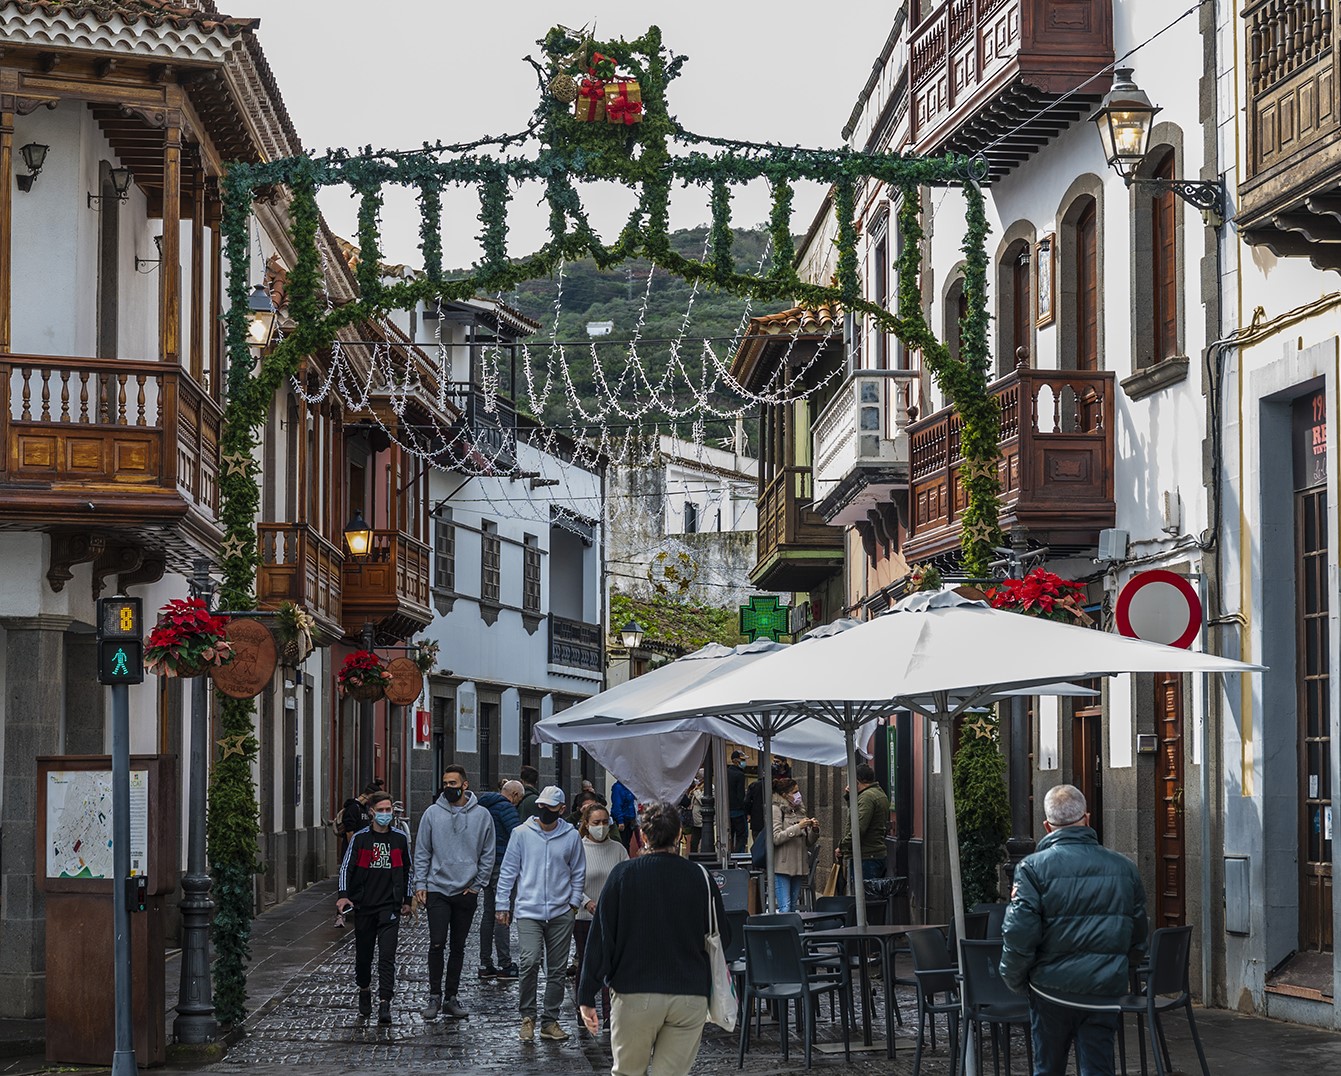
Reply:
x=448 y=915
x=378 y=927
x=1055 y=1027
x=738 y=830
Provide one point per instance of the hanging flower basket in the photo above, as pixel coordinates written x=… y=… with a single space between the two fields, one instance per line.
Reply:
x=363 y=676
x=187 y=641
x=1043 y=594
x=426 y=655
x=293 y=631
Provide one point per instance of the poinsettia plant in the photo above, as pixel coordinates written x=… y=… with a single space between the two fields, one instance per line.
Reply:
x=1043 y=594
x=187 y=639
x=362 y=669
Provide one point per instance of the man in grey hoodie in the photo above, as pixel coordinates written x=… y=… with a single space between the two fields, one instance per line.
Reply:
x=545 y=866
x=453 y=858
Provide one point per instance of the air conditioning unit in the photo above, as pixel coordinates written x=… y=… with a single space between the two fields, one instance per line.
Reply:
x=1112 y=544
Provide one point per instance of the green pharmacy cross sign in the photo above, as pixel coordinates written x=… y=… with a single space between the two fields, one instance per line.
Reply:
x=764 y=618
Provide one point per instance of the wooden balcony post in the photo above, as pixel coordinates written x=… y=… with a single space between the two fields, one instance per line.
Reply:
x=6 y=212
x=198 y=297
x=169 y=268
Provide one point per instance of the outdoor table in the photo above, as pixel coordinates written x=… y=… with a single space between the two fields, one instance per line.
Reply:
x=883 y=935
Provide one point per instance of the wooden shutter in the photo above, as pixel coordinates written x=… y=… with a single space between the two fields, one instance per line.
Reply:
x=1163 y=265
x=1087 y=289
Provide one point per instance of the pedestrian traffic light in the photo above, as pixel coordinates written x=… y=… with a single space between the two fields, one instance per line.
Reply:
x=120 y=661
x=120 y=641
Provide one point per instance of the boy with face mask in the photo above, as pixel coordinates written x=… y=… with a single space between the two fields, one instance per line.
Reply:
x=453 y=859
x=374 y=885
x=545 y=866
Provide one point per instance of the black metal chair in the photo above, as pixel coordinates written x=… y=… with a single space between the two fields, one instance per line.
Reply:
x=935 y=972
x=988 y=1000
x=777 y=971
x=1166 y=987
x=975 y=929
x=806 y=898
x=996 y=916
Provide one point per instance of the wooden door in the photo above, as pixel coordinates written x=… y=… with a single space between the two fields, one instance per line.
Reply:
x=1315 y=742
x=1170 y=846
x=1164 y=265
x=1087 y=763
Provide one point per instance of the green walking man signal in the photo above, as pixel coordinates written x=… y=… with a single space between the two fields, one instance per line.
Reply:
x=120 y=641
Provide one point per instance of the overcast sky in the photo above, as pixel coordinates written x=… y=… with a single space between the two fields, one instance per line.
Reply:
x=402 y=72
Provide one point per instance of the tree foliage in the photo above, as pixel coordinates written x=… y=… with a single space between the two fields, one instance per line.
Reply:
x=982 y=811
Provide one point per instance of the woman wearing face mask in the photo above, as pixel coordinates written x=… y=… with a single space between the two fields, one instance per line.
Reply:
x=602 y=852
x=793 y=834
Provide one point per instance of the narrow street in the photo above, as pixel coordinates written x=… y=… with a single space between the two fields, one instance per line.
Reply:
x=309 y=1023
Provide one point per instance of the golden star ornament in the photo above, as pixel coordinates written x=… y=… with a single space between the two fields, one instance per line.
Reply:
x=234 y=745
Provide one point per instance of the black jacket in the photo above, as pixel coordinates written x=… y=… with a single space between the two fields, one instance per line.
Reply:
x=371 y=884
x=735 y=789
x=757 y=798
x=1076 y=911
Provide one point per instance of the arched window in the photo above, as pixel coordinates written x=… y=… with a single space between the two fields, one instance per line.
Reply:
x=956 y=306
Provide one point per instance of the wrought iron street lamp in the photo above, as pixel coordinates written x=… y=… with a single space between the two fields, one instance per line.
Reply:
x=120 y=179
x=358 y=535
x=632 y=634
x=261 y=319
x=1124 y=121
x=34 y=156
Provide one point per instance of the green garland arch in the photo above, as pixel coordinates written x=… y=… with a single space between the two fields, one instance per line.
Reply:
x=636 y=155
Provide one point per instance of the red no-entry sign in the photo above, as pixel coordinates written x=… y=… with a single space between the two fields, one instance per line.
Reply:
x=1159 y=607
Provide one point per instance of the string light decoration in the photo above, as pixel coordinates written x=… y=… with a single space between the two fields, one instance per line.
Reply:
x=638 y=155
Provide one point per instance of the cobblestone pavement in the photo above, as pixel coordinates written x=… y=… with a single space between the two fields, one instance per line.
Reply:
x=316 y=1024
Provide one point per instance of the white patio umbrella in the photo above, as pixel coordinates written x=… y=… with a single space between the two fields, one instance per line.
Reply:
x=940 y=654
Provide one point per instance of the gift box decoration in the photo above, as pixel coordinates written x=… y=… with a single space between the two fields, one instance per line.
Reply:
x=623 y=101
x=590 y=104
x=602 y=67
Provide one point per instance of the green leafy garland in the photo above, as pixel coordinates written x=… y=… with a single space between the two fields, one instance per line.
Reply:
x=637 y=155
x=982 y=811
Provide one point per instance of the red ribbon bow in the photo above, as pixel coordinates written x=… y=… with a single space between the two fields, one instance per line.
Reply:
x=621 y=108
x=594 y=90
x=597 y=60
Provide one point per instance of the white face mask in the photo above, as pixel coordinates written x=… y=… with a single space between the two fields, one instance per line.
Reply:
x=598 y=832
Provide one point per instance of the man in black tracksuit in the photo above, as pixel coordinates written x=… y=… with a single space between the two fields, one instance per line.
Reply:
x=375 y=885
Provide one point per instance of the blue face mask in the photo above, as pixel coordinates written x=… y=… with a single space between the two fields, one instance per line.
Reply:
x=382 y=818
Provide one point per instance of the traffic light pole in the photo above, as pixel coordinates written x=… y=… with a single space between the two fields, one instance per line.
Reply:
x=123 y=1056
x=195 y=1023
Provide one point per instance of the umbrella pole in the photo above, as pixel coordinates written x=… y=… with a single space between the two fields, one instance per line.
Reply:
x=766 y=779
x=858 y=882
x=943 y=730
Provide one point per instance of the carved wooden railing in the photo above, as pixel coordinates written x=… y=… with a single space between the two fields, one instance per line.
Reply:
x=301 y=566
x=787 y=518
x=118 y=425
x=389 y=585
x=1056 y=466
x=575 y=643
x=1293 y=94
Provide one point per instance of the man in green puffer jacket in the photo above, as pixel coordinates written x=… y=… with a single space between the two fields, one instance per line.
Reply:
x=1076 y=912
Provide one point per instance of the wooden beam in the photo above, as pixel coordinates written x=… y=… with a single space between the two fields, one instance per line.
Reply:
x=170 y=267
x=198 y=271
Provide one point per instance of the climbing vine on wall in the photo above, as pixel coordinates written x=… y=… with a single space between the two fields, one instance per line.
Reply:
x=635 y=154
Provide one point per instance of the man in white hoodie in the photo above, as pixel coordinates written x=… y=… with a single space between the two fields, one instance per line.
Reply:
x=546 y=869
x=453 y=858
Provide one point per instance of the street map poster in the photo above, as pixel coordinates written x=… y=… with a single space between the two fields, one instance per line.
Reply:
x=79 y=823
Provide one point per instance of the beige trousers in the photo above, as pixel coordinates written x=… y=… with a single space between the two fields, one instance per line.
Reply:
x=662 y=1030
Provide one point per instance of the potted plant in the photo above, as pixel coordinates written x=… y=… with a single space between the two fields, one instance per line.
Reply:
x=363 y=676
x=293 y=631
x=426 y=655
x=187 y=640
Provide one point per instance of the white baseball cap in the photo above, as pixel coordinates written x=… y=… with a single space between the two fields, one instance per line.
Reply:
x=551 y=796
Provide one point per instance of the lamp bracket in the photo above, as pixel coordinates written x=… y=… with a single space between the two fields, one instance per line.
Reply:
x=1206 y=195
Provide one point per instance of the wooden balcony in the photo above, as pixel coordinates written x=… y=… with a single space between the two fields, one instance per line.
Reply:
x=575 y=644
x=115 y=445
x=388 y=587
x=981 y=70
x=1056 y=464
x=1290 y=196
x=300 y=566
x=795 y=548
